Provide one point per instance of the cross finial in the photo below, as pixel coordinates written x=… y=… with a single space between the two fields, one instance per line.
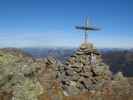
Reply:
x=86 y=28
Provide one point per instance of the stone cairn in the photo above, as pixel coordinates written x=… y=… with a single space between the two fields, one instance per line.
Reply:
x=83 y=71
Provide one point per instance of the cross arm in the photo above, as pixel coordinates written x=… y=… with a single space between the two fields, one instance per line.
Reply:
x=86 y=28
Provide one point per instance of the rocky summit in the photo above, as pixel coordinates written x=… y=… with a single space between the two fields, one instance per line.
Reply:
x=84 y=71
x=83 y=76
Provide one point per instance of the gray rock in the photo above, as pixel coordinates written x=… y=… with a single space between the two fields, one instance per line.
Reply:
x=87 y=82
x=72 y=90
x=75 y=77
x=70 y=72
x=51 y=60
x=78 y=70
x=79 y=52
x=83 y=75
x=86 y=74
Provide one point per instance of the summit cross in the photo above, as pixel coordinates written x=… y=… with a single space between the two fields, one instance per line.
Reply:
x=86 y=29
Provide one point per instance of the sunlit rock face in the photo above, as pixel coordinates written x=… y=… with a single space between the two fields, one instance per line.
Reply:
x=84 y=71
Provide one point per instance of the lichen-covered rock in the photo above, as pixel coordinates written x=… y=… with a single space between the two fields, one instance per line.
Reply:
x=119 y=77
x=27 y=90
x=18 y=75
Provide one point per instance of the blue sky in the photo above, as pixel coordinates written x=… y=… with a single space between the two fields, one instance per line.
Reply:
x=42 y=23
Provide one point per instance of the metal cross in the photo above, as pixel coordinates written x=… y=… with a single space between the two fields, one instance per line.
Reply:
x=86 y=29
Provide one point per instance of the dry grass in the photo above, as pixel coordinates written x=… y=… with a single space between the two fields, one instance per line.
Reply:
x=56 y=93
x=5 y=96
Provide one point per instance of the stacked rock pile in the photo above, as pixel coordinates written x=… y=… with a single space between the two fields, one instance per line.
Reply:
x=83 y=71
x=48 y=72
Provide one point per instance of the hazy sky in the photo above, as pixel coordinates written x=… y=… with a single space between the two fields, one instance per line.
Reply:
x=41 y=23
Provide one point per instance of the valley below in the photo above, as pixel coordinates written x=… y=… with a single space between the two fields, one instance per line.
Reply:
x=117 y=59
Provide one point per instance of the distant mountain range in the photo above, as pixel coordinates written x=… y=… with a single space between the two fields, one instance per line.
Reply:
x=117 y=59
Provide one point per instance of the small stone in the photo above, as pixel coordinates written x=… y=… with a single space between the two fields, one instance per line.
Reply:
x=75 y=66
x=72 y=83
x=66 y=82
x=51 y=60
x=87 y=69
x=119 y=76
x=86 y=74
x=70 y=72
x=78 y=70
x=87 y=83
x=79 y=53
x=75 y=77
x=72 y=90
x=86 y=46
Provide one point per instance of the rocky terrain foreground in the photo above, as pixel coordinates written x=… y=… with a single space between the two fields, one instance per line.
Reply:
x=83 y=76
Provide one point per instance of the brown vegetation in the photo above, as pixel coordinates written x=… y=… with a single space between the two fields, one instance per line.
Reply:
x=5 y=96
x=107 y=93
x=56 y=93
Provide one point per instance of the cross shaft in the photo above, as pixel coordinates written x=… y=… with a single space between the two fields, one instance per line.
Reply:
x=86 y=28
